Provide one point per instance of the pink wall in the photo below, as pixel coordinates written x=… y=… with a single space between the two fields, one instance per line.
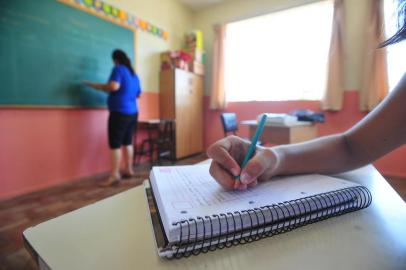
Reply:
x=45 y=147
x=391 y=165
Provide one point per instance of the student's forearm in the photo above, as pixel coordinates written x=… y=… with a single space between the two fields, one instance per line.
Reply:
x=381 y=131
x=331 y=154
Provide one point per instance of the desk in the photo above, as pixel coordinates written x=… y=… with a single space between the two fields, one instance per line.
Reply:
x=151 y=126
x=156 y=129
x=149 y=122
x=116 y=233
x=279 y=134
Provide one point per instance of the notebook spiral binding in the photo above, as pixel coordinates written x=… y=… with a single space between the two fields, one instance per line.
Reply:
x=265 y=221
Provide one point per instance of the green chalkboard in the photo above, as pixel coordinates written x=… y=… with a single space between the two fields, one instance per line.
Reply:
x=47 y=49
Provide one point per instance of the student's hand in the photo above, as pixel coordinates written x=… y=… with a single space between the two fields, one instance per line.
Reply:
x=229 y=152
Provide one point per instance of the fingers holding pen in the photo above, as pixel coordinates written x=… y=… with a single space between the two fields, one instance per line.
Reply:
x=220 y=153
x=222 y=176
x=225 y=168
x=258 y=167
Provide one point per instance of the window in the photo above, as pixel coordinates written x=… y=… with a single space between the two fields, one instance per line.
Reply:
x=396 y=54
x=280 y=56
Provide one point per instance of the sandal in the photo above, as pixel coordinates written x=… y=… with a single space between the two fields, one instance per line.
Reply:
x=111 y=181
x=128 y=174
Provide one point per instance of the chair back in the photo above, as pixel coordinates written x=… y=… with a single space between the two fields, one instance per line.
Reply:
x=166 y=130
x=165 y=143
x=230 y=124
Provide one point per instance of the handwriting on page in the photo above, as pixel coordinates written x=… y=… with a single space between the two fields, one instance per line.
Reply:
x=196 y=188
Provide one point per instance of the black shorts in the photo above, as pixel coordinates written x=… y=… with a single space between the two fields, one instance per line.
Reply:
x=121 y=128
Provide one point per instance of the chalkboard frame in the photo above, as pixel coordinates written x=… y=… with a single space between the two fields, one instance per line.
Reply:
x=94 y=13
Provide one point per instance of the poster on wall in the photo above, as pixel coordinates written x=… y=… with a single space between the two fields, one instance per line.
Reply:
x=111 y=12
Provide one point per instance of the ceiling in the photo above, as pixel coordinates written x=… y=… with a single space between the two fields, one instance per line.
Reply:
x=199 y=4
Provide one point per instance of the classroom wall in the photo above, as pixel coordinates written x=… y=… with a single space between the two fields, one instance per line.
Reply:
x=44 y=147
x=229 y=11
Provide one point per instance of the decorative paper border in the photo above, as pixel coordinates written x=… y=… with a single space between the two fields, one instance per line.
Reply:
x=112 y=12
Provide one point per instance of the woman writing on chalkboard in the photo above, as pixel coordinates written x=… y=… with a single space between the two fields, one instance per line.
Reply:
x=123 y=88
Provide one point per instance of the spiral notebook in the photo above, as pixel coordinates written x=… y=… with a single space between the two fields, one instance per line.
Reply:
x=191 y=213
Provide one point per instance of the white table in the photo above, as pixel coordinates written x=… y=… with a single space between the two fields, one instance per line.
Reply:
x=116 y=233
x=299 y=131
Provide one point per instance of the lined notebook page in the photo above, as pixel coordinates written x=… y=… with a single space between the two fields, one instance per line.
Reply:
x=184 y=192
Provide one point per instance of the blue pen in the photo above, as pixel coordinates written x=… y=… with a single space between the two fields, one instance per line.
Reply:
x=254 y=142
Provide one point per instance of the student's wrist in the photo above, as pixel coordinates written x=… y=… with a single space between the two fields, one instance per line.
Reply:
x=277 y=157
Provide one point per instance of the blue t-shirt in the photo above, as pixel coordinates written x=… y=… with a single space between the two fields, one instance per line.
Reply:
x=124 y=100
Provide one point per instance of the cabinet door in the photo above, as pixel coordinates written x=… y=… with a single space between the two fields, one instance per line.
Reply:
x=167 y=94
x=196 y=143
x=184 y=119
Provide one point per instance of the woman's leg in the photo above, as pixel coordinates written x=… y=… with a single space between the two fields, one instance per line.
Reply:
x=128 y=145
x=128 y=159
x=115 y=136
x=115 y=159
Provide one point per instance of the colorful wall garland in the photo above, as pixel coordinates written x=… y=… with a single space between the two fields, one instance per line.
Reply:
x=124 y=17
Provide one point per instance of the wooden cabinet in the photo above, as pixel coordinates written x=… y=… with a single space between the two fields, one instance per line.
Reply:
x=181 y=98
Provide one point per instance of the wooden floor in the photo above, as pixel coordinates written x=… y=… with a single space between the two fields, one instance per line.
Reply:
x=25 y=211
x=22 y=212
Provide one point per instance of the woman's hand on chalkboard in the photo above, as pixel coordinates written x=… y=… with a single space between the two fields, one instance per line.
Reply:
x=229 y=152
x=111 y=86
x=88 y=83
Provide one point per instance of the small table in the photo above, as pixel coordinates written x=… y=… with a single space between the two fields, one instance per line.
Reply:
x=116 y=233
x=151 y=126
x=154 y=121
x=283 y=134
x=155 y=128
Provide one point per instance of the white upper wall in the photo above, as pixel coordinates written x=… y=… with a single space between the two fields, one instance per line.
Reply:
x=177 y=19
x=200 y=4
